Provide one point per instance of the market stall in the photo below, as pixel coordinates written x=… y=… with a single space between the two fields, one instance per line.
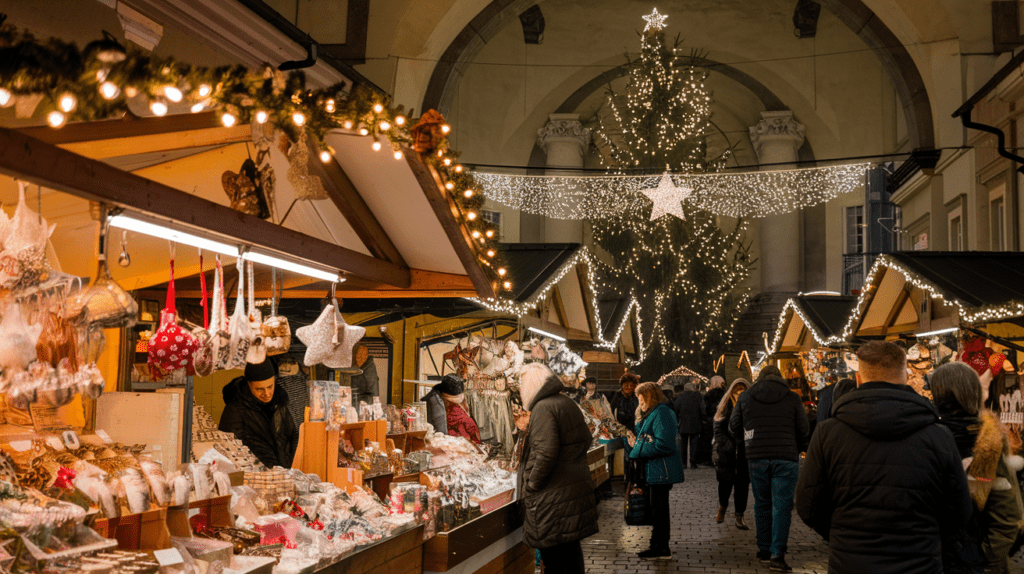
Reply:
x=805 y=344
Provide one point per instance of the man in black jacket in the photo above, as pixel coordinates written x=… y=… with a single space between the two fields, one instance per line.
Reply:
x=689 y=407
x=882 y=480
x=624 y=403
x=256 y=412
x=772 y=421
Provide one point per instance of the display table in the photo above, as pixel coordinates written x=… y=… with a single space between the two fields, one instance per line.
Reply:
x=492 y=543
x=402 y=554
x=597 y=460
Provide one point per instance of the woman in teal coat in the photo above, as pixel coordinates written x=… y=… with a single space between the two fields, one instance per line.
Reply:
x=654 y=447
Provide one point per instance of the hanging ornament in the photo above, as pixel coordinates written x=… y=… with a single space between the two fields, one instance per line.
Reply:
x=307 y=186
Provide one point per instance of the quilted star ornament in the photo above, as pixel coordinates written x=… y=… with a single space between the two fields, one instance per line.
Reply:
x=329 y=340
x=667 y=198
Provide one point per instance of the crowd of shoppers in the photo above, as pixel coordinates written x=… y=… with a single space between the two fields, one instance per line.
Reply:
x=893 y=481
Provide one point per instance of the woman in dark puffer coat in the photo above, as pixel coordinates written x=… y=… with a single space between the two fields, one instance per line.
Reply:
x=730 y=457
x=991 y=473
x=554 y=479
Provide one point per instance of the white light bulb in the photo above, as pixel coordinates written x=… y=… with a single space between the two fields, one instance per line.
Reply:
x=158 y=108
x=6 y=97
x=173 y=93
x=196 y=108
x=67 y=102
x=325 y=156
x=375 y=146
x=205 y=90
x=56 y=119
x=262 y=117
x=228 y=120
x=299 y=118
x=384 y=126
x=398 y=155
x=109 y=90
x=377 y=108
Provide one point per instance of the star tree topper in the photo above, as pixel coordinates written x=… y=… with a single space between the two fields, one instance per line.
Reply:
x=667 y=198
x=655 y=21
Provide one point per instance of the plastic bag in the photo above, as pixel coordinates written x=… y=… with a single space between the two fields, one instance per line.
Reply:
x=154 y=474
x=202 y=480
x=241 y=334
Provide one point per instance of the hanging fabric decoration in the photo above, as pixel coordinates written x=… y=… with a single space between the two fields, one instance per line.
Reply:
x=171 y=347
x=276 y=331
x=23 y=257
x=221 y=337
x=241 y=335
x=257 y=346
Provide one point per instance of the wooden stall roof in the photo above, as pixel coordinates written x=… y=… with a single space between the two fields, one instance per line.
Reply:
x=922 y=291
x=811 y=320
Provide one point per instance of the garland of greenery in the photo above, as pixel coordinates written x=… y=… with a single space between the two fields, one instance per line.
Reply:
x=97 y=83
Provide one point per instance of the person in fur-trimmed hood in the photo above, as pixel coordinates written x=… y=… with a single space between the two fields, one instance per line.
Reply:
x=981 y=439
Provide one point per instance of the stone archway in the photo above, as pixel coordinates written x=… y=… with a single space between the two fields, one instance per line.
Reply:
x=853 y=13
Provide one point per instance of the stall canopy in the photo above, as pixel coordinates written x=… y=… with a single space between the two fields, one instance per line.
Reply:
x=809 y=321
x=923 y=292
x=387 y=224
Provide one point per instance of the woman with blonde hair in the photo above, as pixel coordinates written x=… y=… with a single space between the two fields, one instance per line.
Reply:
x=729 y=457
x=654 y=448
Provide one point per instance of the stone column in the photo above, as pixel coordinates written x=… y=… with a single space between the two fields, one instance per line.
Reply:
x=776 y=139
x=565 y=141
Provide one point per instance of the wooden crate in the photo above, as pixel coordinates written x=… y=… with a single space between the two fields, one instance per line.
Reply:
x=447 y=550
x=217 y=511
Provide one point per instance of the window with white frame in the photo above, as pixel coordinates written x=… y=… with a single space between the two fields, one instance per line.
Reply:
x=855 y=229
x=956 y=230
x=997 y=219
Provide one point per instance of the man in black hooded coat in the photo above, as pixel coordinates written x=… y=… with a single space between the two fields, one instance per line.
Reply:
x=256 y=412
x=883 y=481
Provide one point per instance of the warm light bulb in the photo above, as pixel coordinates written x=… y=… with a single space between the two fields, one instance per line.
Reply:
x=471 y=216
x=375 y=146
x=458 y=169
x=299 y=118
x=490 y=253
x=228 y=120
x=398 y=155
x=501 y=271
x=173 y=93
x=67 y=102
x=158 y=108
x=196 y=108
x=445 y=128
x=131 y=92
x=447 y=161
x=56 y=119
x=262 y=117
x=6 y=97
x=364 y=132
x=490 y=233
x=204 y=90
x=475 y=234
x=400 y=120
x=449 y=186
x=348 y=124
x=507 y=284
x=109 y=90
x=440 y=153
x=329 y=106
x=385 y=126
x=468 y=193
x=377 y=108
x=325 y=156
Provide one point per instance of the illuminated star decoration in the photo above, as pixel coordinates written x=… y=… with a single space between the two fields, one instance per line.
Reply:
x=667 y=198
x=655 y=20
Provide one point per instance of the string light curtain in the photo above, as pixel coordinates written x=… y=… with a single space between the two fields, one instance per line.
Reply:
x=750 y=194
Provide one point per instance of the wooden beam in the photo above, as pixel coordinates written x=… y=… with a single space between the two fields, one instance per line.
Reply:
x=556 y=299
x=588 y=304
x=27 y=158
x=423 y=284
x=133 y=135
x=448 y=214
x=342 y=192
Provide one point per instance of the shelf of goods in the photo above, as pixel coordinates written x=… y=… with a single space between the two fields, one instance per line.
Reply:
x=491 y=543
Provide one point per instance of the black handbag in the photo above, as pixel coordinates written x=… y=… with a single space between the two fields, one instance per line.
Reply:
x=638 y=511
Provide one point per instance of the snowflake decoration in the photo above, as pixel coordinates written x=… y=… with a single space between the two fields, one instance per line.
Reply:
x=655 y=20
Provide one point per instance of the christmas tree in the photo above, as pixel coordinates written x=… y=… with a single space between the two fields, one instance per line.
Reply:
x=676 y=260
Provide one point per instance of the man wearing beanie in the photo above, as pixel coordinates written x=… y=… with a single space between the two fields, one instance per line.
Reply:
x=256 y=412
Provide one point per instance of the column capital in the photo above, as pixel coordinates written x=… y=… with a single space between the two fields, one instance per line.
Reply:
x=776 y=126
x=564 y=128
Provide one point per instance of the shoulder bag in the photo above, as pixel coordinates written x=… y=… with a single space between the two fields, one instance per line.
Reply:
x=638 y=511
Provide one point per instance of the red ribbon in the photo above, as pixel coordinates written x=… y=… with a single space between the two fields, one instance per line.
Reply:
x=64 y=479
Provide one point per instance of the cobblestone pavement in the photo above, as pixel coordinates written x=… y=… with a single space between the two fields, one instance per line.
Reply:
x=699 y=544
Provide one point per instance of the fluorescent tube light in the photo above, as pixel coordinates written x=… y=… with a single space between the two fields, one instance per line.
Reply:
x=939 y=332
x=293 y=267
x=122 y=221
x=546 y=334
